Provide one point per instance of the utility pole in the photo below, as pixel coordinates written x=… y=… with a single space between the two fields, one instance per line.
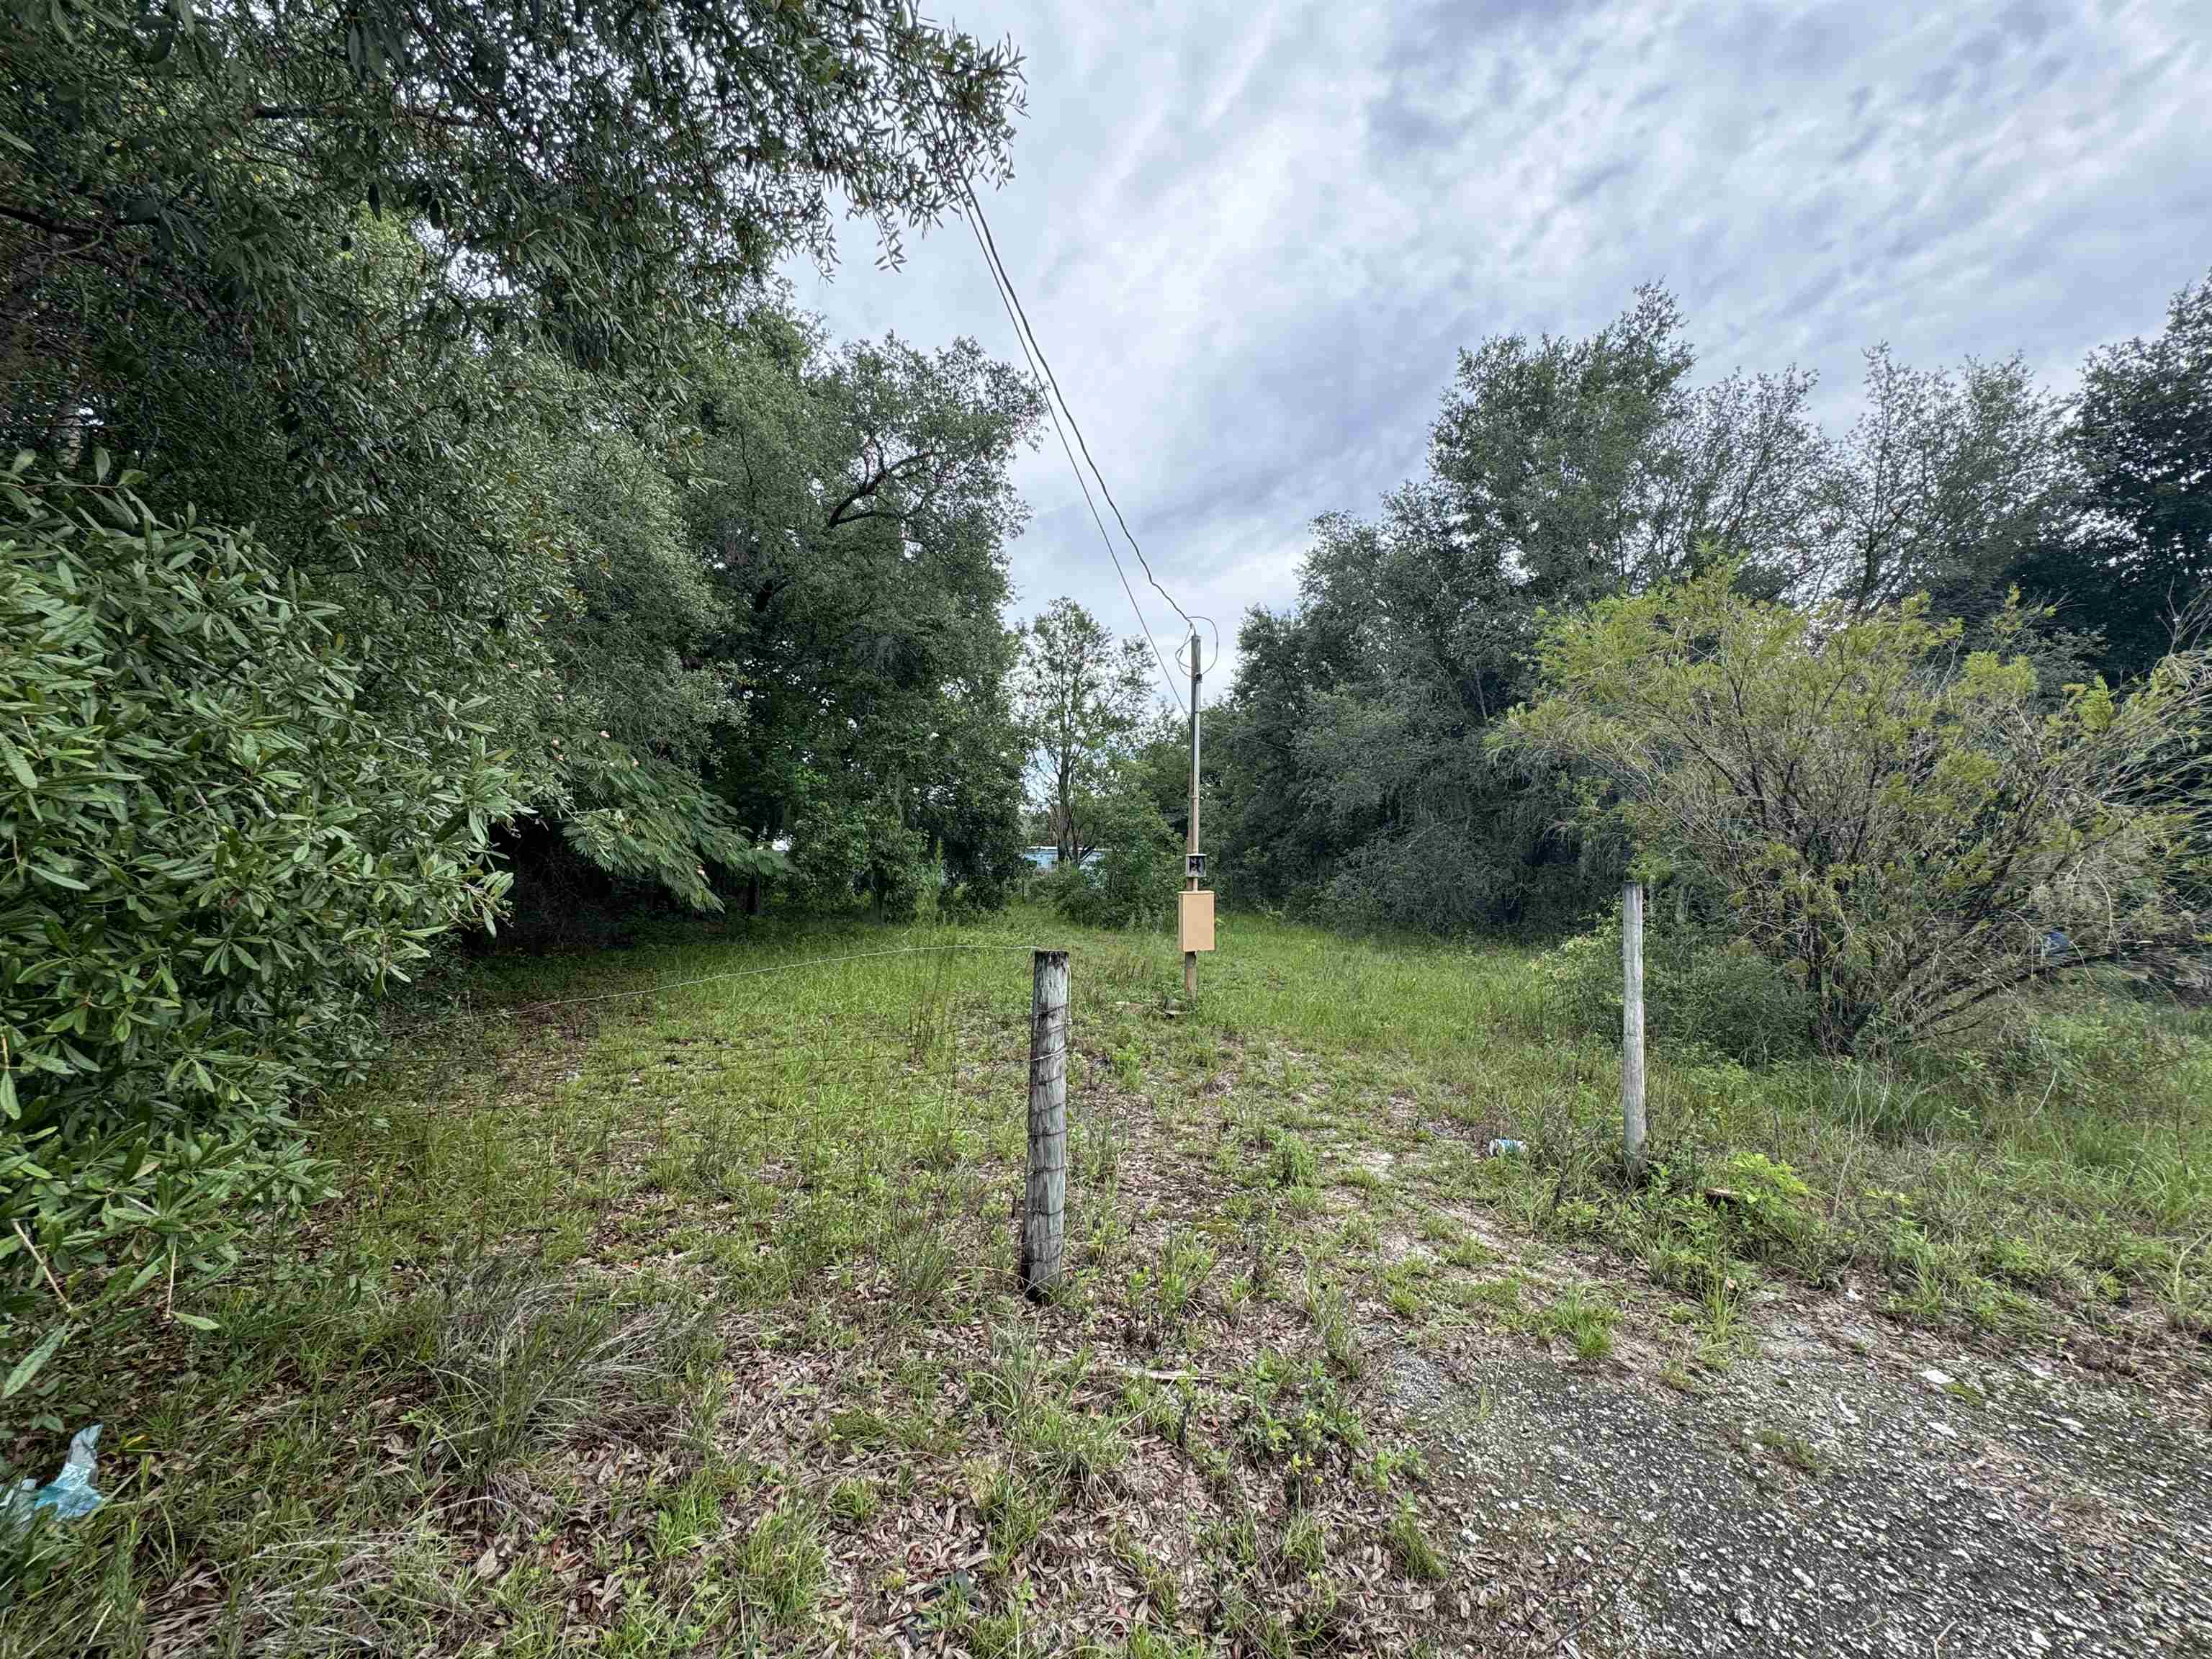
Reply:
x=1190 y=844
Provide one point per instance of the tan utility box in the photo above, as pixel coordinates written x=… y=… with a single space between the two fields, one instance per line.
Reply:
x=1197 y=918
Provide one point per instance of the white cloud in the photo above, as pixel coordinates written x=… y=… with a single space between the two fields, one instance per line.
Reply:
x=1253 y=238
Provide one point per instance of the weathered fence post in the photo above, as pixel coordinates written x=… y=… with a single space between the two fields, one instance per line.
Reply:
x=1190 y=840
x=1043 y=1218
x=1631 y=1022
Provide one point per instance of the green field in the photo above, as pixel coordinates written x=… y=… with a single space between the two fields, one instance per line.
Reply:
x=679 y=1315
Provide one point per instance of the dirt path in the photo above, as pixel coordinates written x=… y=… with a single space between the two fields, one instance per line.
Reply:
x=1849 y=1489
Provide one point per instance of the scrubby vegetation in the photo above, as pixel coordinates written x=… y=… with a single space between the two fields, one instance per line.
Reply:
x=427 y=523
x=691 y=1316
x=1907 y=835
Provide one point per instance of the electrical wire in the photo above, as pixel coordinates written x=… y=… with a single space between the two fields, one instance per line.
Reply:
x=1005 y=290
x=1207 y=667
x=1056 y=405
x=998 y=265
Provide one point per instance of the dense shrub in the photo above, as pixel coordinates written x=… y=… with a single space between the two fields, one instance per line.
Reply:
x=213 y=860
x=847 y=847
x=1913 y=830
x=1133 y=880
x=1700 y=988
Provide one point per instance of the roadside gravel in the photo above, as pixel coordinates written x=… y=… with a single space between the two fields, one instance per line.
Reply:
x=1849 y=1489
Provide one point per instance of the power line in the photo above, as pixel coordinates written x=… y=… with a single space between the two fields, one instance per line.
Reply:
x=998 y=265
x=1003 y=290
x=1056 y=405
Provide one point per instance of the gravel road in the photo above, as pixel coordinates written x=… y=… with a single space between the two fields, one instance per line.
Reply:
x=1956 y=1503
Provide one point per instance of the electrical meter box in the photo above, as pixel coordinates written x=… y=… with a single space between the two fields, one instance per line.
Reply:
x=1197 y=921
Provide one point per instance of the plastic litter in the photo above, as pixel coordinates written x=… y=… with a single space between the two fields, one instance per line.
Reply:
x=1500 y=1148
x=70 y=1493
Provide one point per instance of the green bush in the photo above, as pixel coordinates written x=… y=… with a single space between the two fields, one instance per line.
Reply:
x=1775 y=1209
x=214 y=858
x=849 y=847
x=1139 y=869
x=1700 y=989
x=1912 y=829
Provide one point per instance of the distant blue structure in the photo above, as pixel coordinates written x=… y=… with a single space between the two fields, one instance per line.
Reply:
x=1045 y=857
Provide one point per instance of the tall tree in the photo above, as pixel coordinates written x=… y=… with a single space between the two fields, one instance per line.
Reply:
x=2138 y=569
x=851 y=510
x=1583 y=466
x=364 y=275
x=1560 y=469
x=1943 y=484
x=605 y=173
x=1082 y=697
x=1276 y=843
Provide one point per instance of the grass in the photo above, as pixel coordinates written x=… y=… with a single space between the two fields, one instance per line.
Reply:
x=676 y=1322
x=1416 y=1556
x=1583 y=1321
x=1795 y=1449
x=779 y=1567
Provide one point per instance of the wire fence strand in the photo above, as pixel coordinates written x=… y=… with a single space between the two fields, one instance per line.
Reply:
x=517 y=1010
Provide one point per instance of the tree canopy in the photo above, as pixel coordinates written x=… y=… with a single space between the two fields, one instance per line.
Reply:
x=431 y=511
x=1354 y=776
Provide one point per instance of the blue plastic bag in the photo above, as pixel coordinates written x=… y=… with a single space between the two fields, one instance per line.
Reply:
x=70 y=1493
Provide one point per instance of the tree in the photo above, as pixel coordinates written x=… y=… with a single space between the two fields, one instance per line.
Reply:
x=1275 y=846
x=850 y=510
x=1354 y=774
x=1159 y=768
x=1082 y=699
x=2137 y=571
x=1943 y=484
x=1581 y=467
x=369 y=276
x=1914 y=833
x=603 y=175
x=1422 y=634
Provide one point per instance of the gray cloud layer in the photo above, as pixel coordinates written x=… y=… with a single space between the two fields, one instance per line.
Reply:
x=1253 y=238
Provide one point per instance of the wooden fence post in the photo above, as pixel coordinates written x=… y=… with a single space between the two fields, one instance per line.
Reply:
x=1631 y=1022
x=1043 y=1217
x=1190 y=840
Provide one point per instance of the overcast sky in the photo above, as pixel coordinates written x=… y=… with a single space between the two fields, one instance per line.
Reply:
x=1252 y=237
